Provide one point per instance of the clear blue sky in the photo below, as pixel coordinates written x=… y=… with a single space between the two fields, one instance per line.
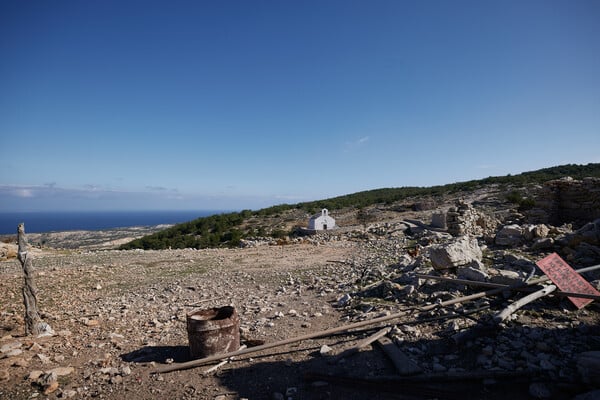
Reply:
x=246 y=104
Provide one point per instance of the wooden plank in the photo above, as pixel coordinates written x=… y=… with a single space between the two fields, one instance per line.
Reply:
x=402 y=362
x=363 y=343
x=508 y=287
x=508 y=311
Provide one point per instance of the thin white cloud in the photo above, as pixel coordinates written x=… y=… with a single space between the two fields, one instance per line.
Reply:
x=157 y=188
x=350 y=146
x=24 y=192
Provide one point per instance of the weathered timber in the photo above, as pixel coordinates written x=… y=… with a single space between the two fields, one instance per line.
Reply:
x=404 y=365
x=362 y=344
x=33 y=322
x=489 y=327
x=525 y=286
x=508 y=311
x=219 y=365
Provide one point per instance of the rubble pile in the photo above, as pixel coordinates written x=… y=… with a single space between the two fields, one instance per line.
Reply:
x=548 y=339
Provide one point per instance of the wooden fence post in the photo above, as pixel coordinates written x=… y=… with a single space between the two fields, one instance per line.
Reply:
x=33 y=322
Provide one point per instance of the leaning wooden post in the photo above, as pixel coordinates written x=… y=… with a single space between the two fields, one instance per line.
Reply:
x=33 y=322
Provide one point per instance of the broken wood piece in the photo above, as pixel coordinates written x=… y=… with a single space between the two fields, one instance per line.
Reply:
x=219 y=365
x=488 y=327
x=504 y=314
x=525 y=287
x=363 y=343
x=402 y=362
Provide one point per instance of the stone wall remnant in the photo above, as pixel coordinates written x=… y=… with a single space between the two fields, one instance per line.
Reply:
x=567 y=200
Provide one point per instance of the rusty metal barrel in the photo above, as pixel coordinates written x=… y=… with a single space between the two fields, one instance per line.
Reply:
x=213 y=331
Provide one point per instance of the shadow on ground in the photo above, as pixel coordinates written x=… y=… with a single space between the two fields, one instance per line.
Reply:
x=158 y=354
x=301 y=372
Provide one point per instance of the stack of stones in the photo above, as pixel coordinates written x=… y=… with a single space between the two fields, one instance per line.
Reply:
x=462 y=220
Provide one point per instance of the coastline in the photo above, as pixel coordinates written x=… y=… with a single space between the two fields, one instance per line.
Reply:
x=40 y=222
x=106 y=239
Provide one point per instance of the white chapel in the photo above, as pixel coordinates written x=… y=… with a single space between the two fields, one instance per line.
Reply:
x=321 y=221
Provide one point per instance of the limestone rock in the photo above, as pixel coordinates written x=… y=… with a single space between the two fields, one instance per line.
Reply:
x=62 y=371
x=543 y=243
x=510 y=235
x=8 y=347
x=457 y=253
x=472 y=274
x=4 y=375
x=506 y=277
x=589 y=233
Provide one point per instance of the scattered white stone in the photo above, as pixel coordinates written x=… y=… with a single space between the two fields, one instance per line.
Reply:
x=8 y=347
x=68 y=394
x=4 y=375
x=325 y=350
x=43 y=358
x=13 y=353
x=344 y=300
x=437 y=367
x=34 y=375
x=62 y=371
x=278 y=396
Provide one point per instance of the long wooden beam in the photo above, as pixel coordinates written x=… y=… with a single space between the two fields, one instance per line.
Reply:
x=513 y=287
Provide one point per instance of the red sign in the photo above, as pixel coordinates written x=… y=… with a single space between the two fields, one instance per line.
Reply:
x=567 y=279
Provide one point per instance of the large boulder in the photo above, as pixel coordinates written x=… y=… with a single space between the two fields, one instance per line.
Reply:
x=510 y=235
x=459 y=252
x=589 y=233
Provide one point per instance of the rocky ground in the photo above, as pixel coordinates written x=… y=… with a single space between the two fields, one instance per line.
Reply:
x=120 y=316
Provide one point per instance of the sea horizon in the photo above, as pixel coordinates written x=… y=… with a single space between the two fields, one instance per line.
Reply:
x=59 y=221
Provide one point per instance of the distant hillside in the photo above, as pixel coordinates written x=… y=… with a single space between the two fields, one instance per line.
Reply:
x=228 y=229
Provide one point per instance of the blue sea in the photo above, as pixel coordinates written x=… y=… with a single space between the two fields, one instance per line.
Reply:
x=43 y=221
